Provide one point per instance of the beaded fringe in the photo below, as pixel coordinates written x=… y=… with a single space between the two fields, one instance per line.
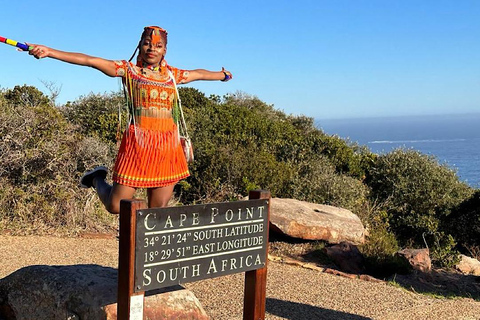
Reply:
x=150 y=153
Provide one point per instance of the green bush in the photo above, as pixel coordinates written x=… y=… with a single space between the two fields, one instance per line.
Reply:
x=418 y=193
x=242 y=143
x=381 y=245
x=230 y=157
x=42 y=158
x=317 y=181
x=464 y=224
x=98 y=115
x=25 y=96
x=443 y=249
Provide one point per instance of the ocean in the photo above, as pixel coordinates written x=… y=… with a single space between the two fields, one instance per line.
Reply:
x=452 y=139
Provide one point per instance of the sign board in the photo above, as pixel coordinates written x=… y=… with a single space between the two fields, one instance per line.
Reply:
x=184 y=244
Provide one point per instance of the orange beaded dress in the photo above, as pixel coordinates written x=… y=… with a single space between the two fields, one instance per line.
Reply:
x=150 y=153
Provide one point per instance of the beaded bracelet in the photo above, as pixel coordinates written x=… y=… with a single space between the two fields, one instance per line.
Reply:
x=227 y=76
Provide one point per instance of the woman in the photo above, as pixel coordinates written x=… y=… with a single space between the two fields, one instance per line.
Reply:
x=150 y=154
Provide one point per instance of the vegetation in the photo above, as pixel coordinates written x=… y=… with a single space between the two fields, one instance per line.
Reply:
x=404 y=198
x=418 y=194
x=42 y=157
x=96 y=115
x=464 y=225
x=241 y=143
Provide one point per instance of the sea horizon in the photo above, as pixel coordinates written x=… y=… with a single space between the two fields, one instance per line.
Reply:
x=454 y=139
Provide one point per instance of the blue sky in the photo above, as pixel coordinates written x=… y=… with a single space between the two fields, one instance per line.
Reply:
x=323 y=59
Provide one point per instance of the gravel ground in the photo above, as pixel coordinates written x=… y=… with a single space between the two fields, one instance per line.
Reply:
x=293 y=292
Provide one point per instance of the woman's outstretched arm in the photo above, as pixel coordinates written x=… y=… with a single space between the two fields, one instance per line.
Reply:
x=202 y=74
x=104 y=65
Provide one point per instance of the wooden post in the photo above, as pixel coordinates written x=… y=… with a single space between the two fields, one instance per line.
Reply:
x=256 y=280
x=126 y=262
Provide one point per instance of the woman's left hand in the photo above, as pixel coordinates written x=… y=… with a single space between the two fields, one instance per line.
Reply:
x=228 y=75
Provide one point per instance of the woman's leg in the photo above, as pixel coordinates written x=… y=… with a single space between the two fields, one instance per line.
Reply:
x=159 y=197
x=111 y=195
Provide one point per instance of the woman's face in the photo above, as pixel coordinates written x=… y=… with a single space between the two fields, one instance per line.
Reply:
x=152 y=53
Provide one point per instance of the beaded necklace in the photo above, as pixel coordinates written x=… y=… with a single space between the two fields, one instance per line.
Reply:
x=150 y=67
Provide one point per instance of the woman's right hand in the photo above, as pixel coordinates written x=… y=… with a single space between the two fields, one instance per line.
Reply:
x=39 y=51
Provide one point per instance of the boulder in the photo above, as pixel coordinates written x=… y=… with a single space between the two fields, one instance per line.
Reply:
x=347 y=257
x=83 y=292
x=418 y=259
x=468 y=265
x=311 y=221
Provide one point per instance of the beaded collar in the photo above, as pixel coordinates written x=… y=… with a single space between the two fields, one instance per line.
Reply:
x=143 y=65
x=150 y=67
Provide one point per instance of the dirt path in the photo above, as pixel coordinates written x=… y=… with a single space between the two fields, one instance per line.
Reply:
x=293 y=292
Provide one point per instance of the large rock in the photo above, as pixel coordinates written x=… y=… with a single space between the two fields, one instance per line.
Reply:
x=468 y=265
x=83 y=292
x=419 y=259
x=310 y=221
x=347 y=257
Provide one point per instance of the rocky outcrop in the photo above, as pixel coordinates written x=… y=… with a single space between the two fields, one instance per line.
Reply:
x=468 y=265
x=310 y=221
x=83 y=292
x=347 y=257
x=419 y=259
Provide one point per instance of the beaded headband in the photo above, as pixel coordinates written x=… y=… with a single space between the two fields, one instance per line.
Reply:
x=155 y=34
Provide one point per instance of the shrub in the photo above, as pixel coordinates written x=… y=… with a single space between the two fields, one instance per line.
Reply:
x=97 y=115
x=242 y=143
x=230 y=157
x=418 y=193
x=443 y=249
x=464 y=223
x=381 y=244
x=42 y=158
x=25 y=96
x=317 y=181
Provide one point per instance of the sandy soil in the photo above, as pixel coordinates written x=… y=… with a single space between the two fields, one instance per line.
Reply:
x=293 y=292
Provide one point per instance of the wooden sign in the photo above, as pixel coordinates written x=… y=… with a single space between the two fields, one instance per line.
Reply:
x=164 y=246
x=184 y=244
